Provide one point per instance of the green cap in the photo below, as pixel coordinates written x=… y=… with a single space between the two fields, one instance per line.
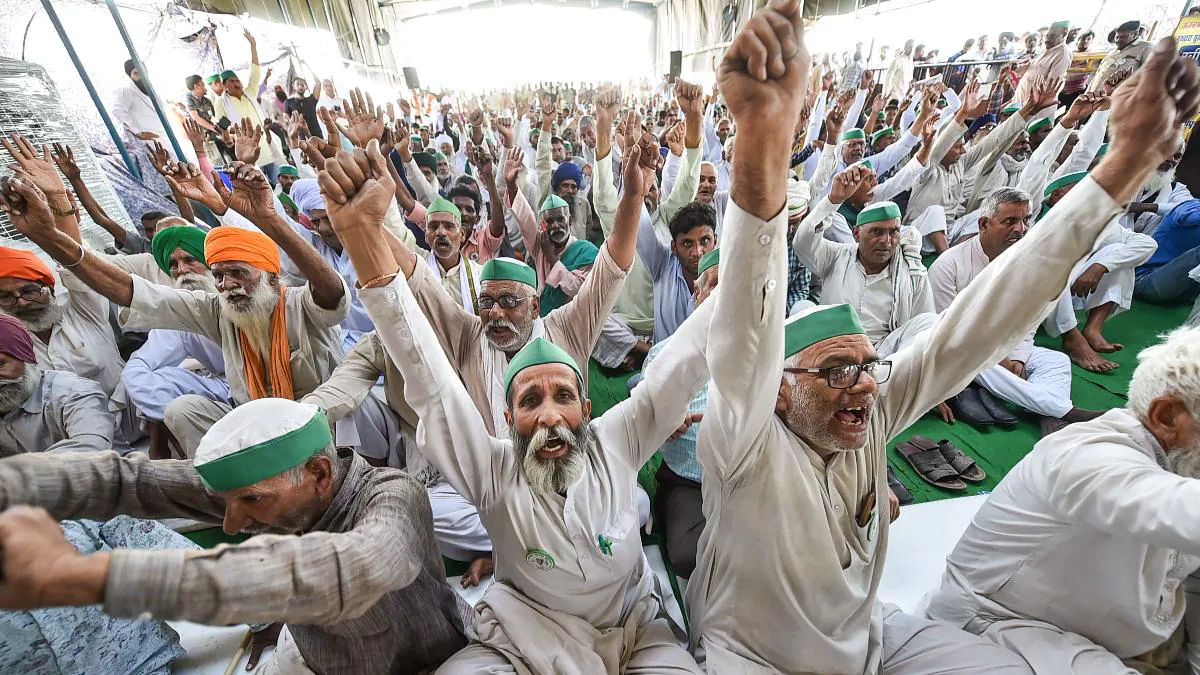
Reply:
x=439 y=155
x=215 y=77
x=415 y=138
x=1038 y=125
x=537 y=352
x=226 y=74
x=553 y=202
x=289 y=170
x=854 y=134
x=1010 y=109
x=186 y=237
x=710 y=259
x=1065 y=25
x=260 y=439
x=881 y=133
x=876 y=212
x=818 y=323
x=443 y=205
x=425 y=159
x=863 y=162
x=287 y=201
x=1063 y=181
x=509 y=269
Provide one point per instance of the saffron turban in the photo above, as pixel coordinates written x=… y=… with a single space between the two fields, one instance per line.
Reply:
x=233 y=244
x=22 y=264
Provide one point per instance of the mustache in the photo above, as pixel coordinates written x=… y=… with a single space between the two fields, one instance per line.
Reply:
x=560 y=432
x=502 y=323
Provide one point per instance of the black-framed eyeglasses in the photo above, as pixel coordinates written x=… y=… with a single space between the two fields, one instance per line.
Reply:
x=506 y=301
x=28 y=295
x=844 y=377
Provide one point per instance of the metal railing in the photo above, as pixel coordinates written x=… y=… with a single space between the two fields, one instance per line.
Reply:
x=954 y=74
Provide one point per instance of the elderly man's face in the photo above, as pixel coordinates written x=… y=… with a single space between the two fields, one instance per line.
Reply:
x=466 y=207
x=1006 y=228
x=853 y=150
x=443 y=172
x=883 y=142
x=707 y=188
x=548 y=416
x=324 y=228
x=830 y=420
x=244 y=287
x=554 y=224
x=30 y=301
x=234 y=86
x=445 y=235
x=690 y=246
x=507 y=328
x=723 y=128
x=278 y=506
x=11 y=368
x=877 y=242
x=183 y=264
x=1171 y=162
x=1020 y=150
x=558 y=152
x=567 y=189
x=955 y=153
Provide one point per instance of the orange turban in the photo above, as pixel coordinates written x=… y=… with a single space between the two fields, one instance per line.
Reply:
x=21 y=264
x=233 y=244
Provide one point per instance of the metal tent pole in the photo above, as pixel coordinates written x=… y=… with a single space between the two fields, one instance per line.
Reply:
x=137 y=61
x=87 y=83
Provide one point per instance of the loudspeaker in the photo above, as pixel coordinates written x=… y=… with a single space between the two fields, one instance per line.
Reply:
x=410 y=78
x=676 y=64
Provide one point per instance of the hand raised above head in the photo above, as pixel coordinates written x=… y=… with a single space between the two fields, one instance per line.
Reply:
x=357 y=187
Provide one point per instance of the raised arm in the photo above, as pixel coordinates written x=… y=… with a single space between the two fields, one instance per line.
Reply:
x=542 y=161
x=691 y=100
x=1001 y=305
x=765 y=92
x=64 y=158
x=1091 y=137
x=604 y=193
x=810 y=243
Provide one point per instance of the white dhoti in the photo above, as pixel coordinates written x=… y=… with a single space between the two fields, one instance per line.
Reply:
x=933 y=219
x=456 y=526
x=1046 y=389
x=286 y=660
x=899 y=338
x=916 y=646
x=519 y=636
x=1049 y=650
x=1116 y=286
x=614 y=343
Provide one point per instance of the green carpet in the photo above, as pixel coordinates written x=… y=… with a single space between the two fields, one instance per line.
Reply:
x=996 y=450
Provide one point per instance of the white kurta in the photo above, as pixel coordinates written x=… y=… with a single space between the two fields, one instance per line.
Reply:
x=766 y=593
x=1089 y=536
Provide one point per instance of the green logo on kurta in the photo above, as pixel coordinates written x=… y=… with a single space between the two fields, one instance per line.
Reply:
x=605 y=544
x=539 y=559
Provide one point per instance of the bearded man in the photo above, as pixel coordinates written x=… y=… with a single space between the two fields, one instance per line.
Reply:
x=1161 y=194
x=1093 y=577
x=285 y=340
x=576 y=592
x=46 y=410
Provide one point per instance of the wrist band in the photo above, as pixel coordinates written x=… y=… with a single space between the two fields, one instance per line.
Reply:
x=63 y=212
x=82 y=255
x=381 y=280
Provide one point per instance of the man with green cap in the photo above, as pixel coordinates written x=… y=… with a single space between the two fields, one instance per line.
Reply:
x=238 y=102
x=348 y=560
x=796 y=420
x=445 y=236
x=562 y=260
x=879 y=273
x=1051 y=63
x=576 y=593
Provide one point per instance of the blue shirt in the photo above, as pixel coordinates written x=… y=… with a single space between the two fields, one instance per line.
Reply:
x=1177 y=234
x=673 y=301
x=680 y=454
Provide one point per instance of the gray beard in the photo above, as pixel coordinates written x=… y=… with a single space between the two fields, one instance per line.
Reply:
x=520 y=337
x=1185 y=462
x=1161 y=180
x=43 y=319
x=196 y=282
x=254 y=321
x=16 y=391
x=814 y=431
x=549 y=476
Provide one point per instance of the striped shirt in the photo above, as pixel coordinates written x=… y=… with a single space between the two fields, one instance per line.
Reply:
x=680 y=454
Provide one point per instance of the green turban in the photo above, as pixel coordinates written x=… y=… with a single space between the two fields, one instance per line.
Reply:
x=881 y=133
x=537 y=352
x=289 y=170
x=1065 y=25
x=227 y=74
x=877 y=212
x=186 y=237
x=553 y=202
x=443 y=205
x=425 y=160
x=1010 y=109
x=1061 y=181
x=509 y=269
x=854 y=134
x=817 y=323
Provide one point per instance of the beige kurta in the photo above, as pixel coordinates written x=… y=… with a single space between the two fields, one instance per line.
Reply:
x=314 y=337
x=83 y=342
x=1052 y=63
x=575 y=327
x=581 y=554
x=142 y=265
x=796 y=591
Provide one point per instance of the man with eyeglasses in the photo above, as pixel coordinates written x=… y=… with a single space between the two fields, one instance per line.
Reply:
x=794 y=439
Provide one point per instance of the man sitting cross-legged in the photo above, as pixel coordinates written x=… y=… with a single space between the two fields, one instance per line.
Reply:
x=574 y=592
x=347 y=557
x=796 y=427
x=1095 y=575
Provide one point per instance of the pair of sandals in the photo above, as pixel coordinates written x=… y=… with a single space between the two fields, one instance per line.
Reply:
x=976 y=406
x=940 y=464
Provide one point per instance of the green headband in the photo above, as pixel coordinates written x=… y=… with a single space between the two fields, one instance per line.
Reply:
x=166 y=240
x=881 y=133
x=553 y=202
x=269 y=458
x=855 y=134
x=287 y=200
x=710 y=259
x=824 y=322
x=877 y=212
x=443 y=205
x=226 y=74
x=509 y=269
x=1063 y=181
x=538 y=351
x=1010 y=109
x=863 y=162
x=213 y=78
x=1065 y=25
x=289 y=170
x=1038 y=125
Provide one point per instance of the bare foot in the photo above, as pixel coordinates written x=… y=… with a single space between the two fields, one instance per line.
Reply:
x=1100 y=344
x=1083 y=355
x=480 y=569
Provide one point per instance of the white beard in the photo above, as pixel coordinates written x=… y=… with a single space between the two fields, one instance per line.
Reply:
x=16 y=391
x=191 y=281
x=519 y=337
x=255 y=320
x=44 y=319
x=547 y=476
x=1185 y=461
x=1161 y=180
